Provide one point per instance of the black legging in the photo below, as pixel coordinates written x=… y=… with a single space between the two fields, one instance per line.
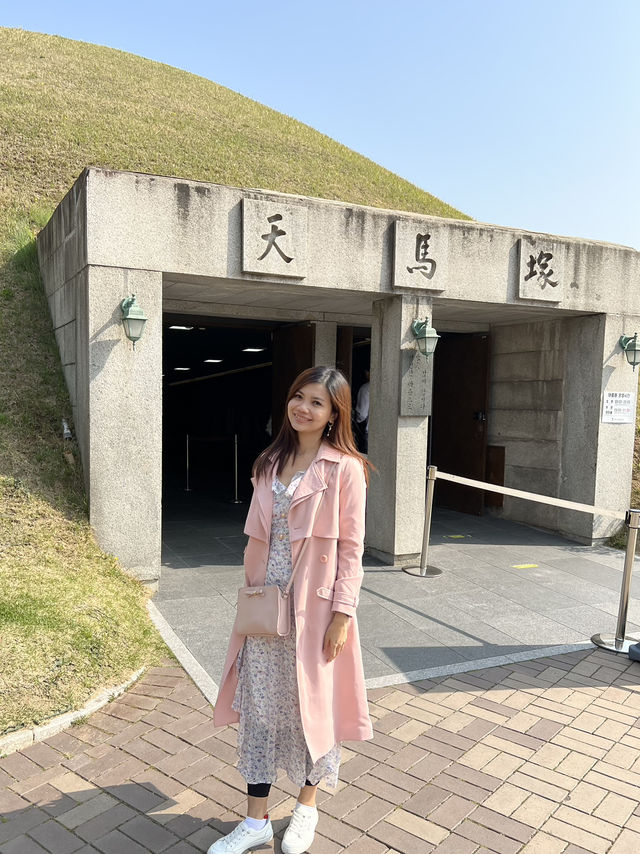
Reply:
x=261 y=790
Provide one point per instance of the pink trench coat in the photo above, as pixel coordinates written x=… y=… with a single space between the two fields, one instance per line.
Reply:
x=328 y=507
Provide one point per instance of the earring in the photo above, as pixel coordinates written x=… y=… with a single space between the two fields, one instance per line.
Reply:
x=329 y=426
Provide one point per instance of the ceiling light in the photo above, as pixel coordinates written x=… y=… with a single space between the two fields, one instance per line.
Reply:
x=253 y=350
x=213 y=360
x=181 y=327
x=182 y=369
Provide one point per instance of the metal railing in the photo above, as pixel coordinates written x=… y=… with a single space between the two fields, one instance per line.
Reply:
x=618 y=643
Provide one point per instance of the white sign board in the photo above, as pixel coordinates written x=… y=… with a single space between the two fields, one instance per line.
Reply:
x=618 y=407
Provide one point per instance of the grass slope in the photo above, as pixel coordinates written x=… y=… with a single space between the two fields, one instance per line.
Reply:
x=71 y=621
x=66 y=104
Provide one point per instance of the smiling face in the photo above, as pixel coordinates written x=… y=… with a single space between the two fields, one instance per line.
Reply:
x=310 y=409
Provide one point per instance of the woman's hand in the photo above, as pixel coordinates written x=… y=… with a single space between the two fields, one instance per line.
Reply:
x=336 y=635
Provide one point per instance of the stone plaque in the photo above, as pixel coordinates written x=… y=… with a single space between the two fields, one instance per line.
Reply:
x=274 y=238
x=541 y=270
x=420 y=255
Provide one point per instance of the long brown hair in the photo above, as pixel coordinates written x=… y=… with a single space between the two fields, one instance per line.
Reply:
x=340 y=436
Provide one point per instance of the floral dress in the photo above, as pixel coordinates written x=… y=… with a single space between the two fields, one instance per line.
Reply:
x=270 y=734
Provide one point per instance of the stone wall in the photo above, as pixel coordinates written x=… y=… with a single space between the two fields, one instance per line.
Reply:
x=526 y=413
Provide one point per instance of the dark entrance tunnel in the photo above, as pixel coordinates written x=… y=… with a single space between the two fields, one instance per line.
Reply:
x=224 y=385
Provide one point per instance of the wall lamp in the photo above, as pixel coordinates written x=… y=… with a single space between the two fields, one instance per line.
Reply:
x=133 y=319
x=631 y=347
x=425 y=335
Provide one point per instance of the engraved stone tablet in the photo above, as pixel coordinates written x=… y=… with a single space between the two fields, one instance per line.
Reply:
x=420 y=255
x=274 y=238
x=541 y=270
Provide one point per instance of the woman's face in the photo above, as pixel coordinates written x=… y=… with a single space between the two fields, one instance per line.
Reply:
x=309 y=409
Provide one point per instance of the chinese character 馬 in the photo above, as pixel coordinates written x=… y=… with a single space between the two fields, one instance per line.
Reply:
x=426 y=265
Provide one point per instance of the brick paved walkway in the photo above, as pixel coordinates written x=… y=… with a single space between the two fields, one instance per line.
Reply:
x=539 y=757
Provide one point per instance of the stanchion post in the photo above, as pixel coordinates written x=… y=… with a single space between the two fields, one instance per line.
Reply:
x=236 y=500
x=422 y=569
x=621 y=642
x=187 y=487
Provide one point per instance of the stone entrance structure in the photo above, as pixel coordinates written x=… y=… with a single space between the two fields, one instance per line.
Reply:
x=553 y=308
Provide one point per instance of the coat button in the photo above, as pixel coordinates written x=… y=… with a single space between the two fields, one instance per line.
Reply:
x=323 y=558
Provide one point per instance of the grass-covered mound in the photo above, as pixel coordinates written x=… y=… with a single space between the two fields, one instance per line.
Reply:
x=71 y=622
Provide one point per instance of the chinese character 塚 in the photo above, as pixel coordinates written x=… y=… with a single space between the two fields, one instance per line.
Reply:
x=426 y=265
x=271 y=238
x=543 y=272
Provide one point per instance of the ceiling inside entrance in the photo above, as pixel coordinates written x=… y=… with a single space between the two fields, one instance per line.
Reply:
x=227 y=297
x=196 y=348
x=269 y=301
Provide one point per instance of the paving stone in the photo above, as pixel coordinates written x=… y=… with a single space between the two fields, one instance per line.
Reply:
x=542 y=843
x=366 y=845
x=21 y=823
x=344 y=802
x=144 y=751
x=86 y=811
x=117 y=843
x=428 y=767
x=120 y=773
x=200 y=769
x=455 y=844
x=11 y=802
x=129 y=733
x=219 y=792
x=383 y=789
x=18 y=766
x=426 y=800
x=397 y=778
x=501 y=824
x=406 y=758
x=489 y=838
x=42 y=754
x=73 y=785
x=219 y=749
x=55 y=838
x=181 y=847
x=356 y=767
x=368 y=813
x=51 y=800
x=22 y=845
x=148 y=833
x=451 y=812
x=136 y=796
x=64 y=742
x=102 y=824
x=399 y=840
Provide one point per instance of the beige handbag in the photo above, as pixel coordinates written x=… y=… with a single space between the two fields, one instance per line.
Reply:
x=265 y=610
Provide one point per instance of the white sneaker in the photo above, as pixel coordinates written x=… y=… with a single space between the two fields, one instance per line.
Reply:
x=242 y=839
x=298 y=836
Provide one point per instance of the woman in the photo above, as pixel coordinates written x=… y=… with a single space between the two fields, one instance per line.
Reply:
x=297 y=698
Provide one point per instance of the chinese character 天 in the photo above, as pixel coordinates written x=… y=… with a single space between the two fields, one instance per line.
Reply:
x=272 y=237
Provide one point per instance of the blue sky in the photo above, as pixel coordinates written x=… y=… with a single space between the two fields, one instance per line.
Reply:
x=522 y=114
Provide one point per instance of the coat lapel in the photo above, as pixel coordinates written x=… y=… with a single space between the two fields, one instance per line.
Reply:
x=317 y=475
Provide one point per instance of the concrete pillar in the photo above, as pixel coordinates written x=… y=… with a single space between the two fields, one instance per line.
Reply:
x=615 y=442
x=325 y=343
x=401 y=382
x=124 y=405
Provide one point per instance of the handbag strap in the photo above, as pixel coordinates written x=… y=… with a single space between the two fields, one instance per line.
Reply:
x=304 y=545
